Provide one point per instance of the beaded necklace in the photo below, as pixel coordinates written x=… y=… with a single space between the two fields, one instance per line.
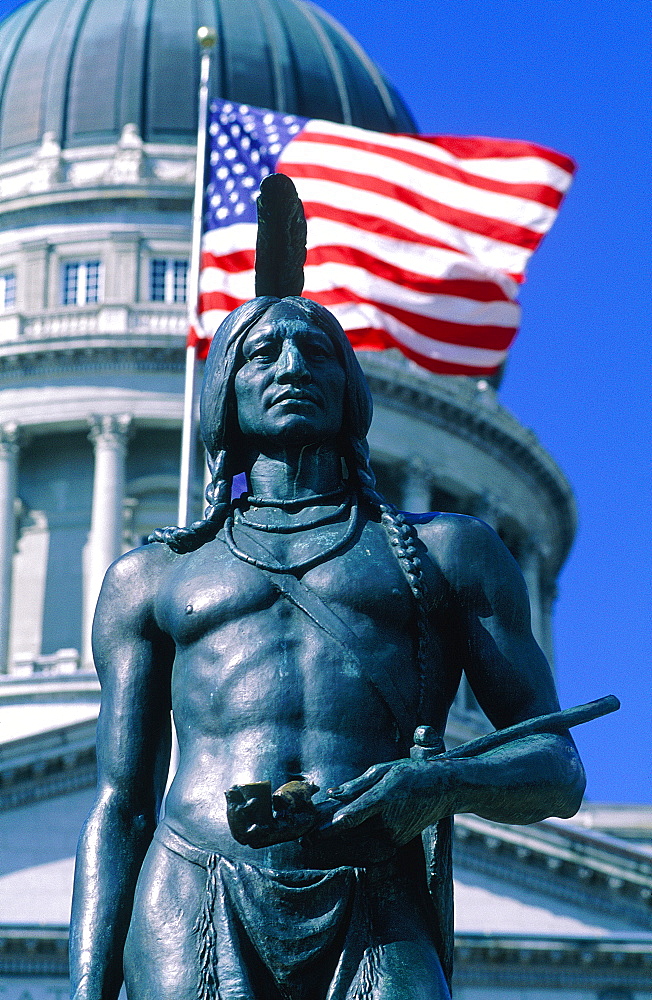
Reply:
x=302 y=565
x=288 y=529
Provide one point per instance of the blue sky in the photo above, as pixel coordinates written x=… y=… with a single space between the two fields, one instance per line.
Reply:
x=573 y=75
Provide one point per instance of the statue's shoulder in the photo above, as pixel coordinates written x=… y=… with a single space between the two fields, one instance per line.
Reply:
x=468 y=551
x=441 y=530
x=133 y=582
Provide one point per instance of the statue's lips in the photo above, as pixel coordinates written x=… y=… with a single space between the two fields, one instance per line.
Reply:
x=294 y=397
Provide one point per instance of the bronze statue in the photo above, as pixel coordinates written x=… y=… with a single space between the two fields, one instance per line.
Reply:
x=300 y=634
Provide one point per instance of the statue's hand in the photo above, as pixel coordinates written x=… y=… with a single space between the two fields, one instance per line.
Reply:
x=402 y=798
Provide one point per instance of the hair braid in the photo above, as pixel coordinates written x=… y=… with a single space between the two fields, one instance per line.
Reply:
x=402 y=537
x=218 y=495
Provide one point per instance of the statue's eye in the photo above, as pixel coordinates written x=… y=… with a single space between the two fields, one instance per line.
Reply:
x=319 y=350
x=265 y=352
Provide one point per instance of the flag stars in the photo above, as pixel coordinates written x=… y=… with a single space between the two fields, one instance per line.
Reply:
x=245 y=146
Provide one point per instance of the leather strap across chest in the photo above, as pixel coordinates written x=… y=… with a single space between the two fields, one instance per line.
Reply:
x=307 y=600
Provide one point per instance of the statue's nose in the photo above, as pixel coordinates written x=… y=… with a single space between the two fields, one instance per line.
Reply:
x=291 y=365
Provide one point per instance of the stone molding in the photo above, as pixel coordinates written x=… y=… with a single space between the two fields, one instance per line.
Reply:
x=567 y=863
x=553 y=963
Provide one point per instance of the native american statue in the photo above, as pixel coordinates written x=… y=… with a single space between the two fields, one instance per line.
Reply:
x=300 y=634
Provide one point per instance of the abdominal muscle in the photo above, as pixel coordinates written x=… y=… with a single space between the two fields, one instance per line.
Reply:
x=276 y=709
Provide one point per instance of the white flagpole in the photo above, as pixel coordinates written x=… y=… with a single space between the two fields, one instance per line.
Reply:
x=207 y=38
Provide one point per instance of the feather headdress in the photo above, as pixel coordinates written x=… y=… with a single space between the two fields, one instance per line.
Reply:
x=281 y=241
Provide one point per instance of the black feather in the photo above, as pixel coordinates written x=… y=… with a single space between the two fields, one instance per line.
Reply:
x=281 y=241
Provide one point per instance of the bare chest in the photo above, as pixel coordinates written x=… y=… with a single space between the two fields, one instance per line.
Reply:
x=215 y=588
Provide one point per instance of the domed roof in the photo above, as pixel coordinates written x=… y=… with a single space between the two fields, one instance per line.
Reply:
x=83 y=69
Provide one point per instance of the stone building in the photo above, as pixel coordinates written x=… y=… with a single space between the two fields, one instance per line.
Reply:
x=97 y=131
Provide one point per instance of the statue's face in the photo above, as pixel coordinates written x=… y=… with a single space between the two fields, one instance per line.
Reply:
x=291 y=385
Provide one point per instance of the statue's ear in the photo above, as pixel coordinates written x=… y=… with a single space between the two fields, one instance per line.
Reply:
x=281 y=242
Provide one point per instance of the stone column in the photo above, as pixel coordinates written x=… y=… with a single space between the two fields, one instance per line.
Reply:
x=529 y=558
x=487 y=508
x=109 y=435
x=548 y=598
x=9 y=450
x=416 y=486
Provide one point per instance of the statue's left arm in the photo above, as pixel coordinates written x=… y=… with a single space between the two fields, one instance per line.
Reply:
x=522 y=782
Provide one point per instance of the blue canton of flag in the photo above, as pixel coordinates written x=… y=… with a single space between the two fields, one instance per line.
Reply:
x=244 y=147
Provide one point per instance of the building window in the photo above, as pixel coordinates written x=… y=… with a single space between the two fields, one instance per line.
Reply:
x=168 y=280
x=7 y=291
x=81 y=283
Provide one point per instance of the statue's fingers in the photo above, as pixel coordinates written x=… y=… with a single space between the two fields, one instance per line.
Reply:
x=350 y=790
x=356 y=813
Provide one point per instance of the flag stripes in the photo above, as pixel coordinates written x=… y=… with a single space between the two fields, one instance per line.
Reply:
x=413 y=242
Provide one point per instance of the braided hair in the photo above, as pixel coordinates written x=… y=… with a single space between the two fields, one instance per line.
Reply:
x=225 y=445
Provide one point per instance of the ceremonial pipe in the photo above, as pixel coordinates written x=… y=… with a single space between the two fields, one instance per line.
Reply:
x=426 y=738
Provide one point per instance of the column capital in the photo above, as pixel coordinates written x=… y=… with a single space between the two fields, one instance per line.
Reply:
x=9 y=438
x=488 y=508
x=533 y=548
x=110 y=429
x=416 y=465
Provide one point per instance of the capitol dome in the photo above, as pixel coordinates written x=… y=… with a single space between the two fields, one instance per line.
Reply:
x=80 y=72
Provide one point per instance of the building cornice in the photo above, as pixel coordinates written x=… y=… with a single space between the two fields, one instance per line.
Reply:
x=472 y=412
x=557 y=860
x=144 y=353
x=47 y=764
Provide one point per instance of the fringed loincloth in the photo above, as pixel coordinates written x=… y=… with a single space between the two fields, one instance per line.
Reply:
x=292 y=919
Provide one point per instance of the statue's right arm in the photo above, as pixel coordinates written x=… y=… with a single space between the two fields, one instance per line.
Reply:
x=134 y=662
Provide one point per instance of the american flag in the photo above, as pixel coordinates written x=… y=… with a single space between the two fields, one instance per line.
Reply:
x=414 y=242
